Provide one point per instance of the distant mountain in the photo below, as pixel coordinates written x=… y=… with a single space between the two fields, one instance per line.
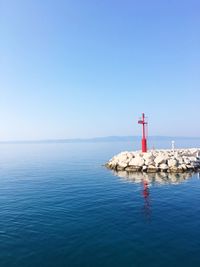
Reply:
x=96 y=139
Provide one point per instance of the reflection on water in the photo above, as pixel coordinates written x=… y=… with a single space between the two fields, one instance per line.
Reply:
x=147 y=179
x=146 y=196
x=160 y=177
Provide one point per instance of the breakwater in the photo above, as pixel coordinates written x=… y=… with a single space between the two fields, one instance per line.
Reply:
x=165 y=160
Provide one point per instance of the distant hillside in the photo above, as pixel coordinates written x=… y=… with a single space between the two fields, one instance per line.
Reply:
x=97 y=139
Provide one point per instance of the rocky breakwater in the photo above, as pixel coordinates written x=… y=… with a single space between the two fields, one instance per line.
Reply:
x=171 y=161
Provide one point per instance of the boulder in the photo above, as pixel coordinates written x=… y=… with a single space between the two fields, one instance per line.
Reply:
x=137 y=161
x=189 y=167
x=163 y=167
x=172 y=163
x=152 y=168
x=193 y=159
x=196 y=165
x=180 y=160
x=186 y=160
x=133 y=169
x=194 y=151
x=122 y=164
x=144 y=168
x=183 y=166
x=122 y=157
x=157 y=160
x=149 y=162
x=180 y=169
x=173 y=169
x=160 y=159
x=148 y=156
x=111 y=165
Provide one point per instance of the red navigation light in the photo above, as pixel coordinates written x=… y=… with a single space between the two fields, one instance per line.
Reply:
x=144 y=130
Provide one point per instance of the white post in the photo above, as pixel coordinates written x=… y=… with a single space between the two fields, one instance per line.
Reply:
x=173 y=145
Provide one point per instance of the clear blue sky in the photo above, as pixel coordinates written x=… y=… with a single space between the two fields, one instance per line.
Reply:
x=86 y=68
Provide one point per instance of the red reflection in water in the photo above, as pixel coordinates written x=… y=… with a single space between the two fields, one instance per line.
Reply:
x=145 y=189
x=146 y=195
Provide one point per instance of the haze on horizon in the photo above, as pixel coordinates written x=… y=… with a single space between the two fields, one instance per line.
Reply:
x=82 y=69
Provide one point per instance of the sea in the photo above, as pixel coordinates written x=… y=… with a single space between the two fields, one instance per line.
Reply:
x=59 y=206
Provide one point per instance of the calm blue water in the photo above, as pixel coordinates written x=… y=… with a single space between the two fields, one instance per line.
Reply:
x=60 y=207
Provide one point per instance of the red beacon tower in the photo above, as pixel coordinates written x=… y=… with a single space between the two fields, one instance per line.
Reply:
x=144 y=132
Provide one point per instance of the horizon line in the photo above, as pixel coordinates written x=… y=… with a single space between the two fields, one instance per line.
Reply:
x=92 y=139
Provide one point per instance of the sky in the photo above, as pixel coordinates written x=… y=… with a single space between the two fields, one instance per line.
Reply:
x=89 y=68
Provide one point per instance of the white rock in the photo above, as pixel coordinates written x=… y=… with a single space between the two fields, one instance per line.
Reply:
x=180 y=160
x=183 y=166
x=137 y=161
x=144 y=168
x=147 y=156
x=193 y=159
x=149 y=162
x=123 y=164
x=160 y=159
x=122 y=157
x=186 y=160
x=193 y=151
x=151 y=168
x=189 y=167
x=172 y=163
x=155 y=160
x=163 y=166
